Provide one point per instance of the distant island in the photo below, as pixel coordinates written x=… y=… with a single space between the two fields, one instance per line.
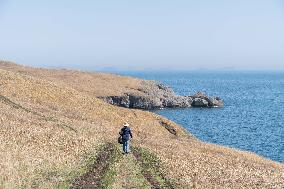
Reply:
x=59 y=129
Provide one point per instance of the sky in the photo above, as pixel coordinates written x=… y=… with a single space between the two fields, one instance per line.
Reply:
x=144 y=34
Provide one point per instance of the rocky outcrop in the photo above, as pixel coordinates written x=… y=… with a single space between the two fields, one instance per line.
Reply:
x=154 y=96
x=201 y=100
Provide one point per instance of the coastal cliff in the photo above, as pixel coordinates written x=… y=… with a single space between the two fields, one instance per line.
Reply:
x=54 y=129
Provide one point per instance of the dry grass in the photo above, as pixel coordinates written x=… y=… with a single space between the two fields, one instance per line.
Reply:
x=51 y=123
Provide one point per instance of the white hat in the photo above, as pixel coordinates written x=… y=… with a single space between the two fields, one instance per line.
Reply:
x=125 y=124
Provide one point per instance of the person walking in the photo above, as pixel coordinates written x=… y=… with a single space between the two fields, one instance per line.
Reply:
x=125 y=134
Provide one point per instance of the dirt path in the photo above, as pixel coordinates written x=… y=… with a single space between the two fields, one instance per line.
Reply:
x=112 y=170
x=92 y=179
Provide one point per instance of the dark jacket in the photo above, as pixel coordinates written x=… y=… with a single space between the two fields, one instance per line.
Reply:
x=125 y=132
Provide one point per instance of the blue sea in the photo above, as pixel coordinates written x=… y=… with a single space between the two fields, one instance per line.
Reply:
x=252 y=118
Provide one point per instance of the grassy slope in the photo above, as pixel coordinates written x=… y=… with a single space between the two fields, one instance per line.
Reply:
x=97 y=84
x=51 y=124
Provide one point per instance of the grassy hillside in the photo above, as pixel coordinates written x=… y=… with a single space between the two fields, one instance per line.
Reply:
x=53 y=127
x=95 y=83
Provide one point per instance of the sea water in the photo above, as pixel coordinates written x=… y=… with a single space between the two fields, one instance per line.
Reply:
x=252 y=118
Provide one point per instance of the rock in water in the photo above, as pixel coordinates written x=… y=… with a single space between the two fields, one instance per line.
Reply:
x=200 y=102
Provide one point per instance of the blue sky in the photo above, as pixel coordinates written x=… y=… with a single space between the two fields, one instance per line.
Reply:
x=146 y=34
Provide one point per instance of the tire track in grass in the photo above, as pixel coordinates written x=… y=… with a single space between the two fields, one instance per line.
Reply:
x=93 y=178
x=106 y=171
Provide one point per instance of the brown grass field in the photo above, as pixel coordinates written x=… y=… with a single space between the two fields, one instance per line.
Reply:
x=52 y=124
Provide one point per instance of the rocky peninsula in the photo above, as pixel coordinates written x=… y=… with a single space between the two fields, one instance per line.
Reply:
x=154 y=95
